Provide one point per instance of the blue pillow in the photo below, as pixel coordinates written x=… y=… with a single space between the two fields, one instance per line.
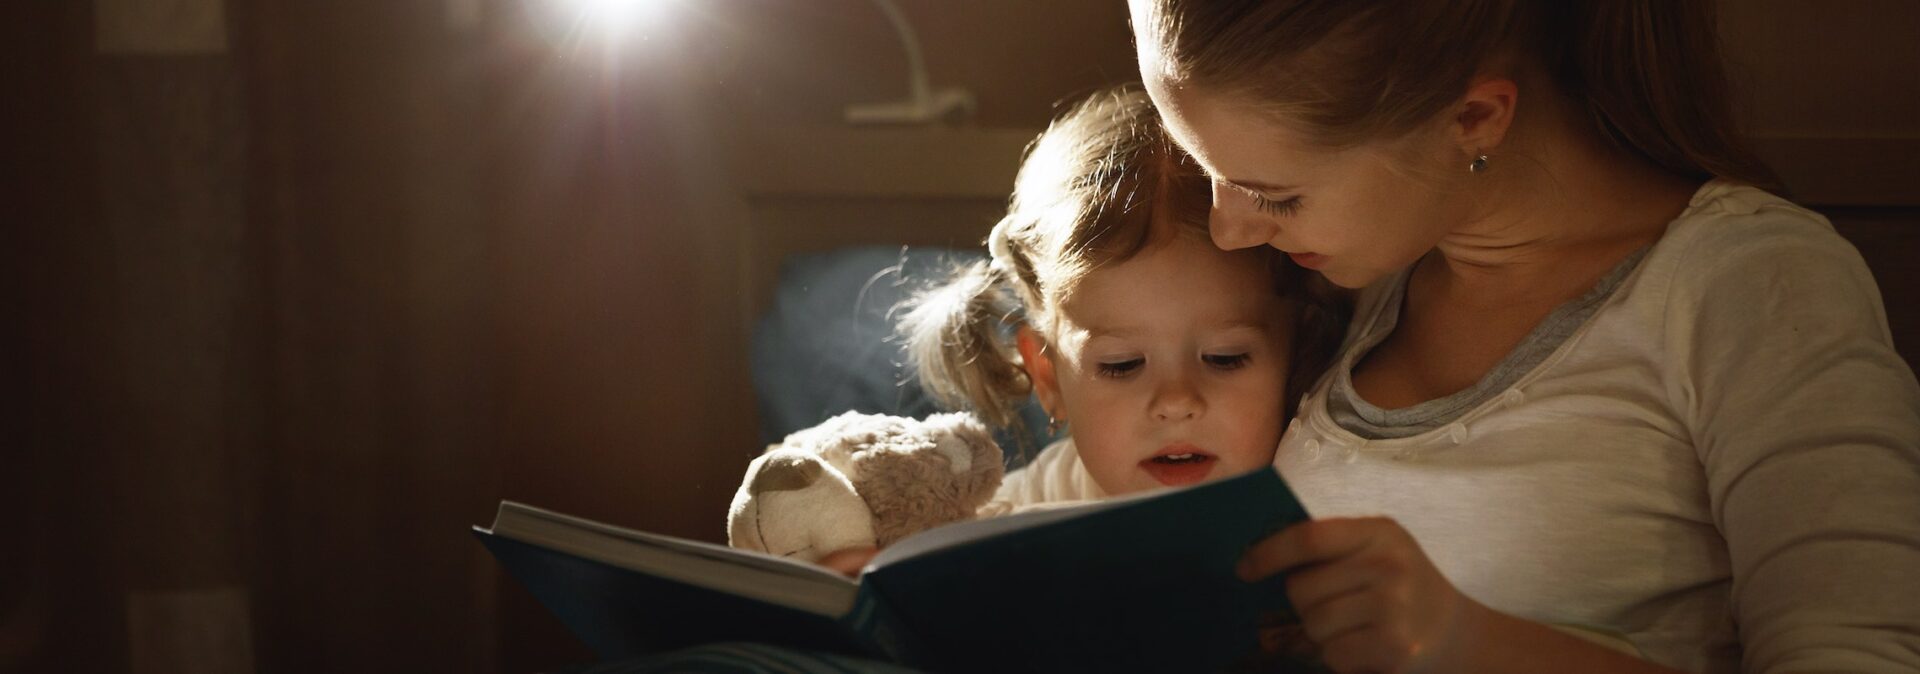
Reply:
x=827 y=345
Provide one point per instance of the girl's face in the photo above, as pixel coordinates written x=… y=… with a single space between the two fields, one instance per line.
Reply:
x=1355 y=215
x=1171 y=366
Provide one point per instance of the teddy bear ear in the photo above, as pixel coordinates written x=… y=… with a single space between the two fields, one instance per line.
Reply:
x=786 y=472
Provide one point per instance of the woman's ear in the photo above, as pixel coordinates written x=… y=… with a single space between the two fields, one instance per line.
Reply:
x=1039 y=366
x=1485 y=114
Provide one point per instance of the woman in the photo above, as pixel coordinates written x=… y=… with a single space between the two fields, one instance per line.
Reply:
x=1597 y=378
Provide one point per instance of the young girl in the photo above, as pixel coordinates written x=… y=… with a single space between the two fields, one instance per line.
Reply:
x=1169 y=360
x=1595 y=377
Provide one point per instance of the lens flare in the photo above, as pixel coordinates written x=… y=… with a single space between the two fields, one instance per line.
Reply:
x=615 y=21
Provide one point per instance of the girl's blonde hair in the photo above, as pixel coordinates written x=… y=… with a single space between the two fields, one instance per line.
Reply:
x=1646 y=72
x=1089 y=191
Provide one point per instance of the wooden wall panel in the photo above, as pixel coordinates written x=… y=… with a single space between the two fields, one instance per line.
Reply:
x=53 y=598
x=178 y=475
x=365 y=130
x=1889 y=239
x=1830 y=91
x=1819 y=68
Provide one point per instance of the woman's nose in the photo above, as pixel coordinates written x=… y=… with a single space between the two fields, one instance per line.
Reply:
x=1235 y=223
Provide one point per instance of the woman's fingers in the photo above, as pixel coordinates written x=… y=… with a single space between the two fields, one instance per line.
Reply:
x=850 y=561
x=1313 y=584
x=1366 y=592
x=1310 y=542
x=1327 y=621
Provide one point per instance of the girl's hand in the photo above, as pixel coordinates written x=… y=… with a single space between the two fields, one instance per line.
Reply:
x=1368 y=595
x=850 y=561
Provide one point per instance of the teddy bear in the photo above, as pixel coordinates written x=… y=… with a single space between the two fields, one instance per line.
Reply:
x=863 y=480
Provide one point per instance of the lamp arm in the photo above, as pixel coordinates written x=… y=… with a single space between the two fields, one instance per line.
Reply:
x=917 y=88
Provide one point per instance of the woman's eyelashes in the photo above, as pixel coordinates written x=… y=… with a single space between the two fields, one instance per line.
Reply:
x=1274 y=207
x=1279 y=208
x=1120 y=369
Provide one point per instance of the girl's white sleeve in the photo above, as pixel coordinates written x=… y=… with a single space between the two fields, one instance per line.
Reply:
x=1054 y=476
x=1807 y=423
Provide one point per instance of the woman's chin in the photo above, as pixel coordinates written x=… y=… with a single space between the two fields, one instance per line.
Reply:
x=1349 y=279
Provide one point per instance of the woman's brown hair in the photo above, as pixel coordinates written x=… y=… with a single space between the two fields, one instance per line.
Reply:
x=1647 y=73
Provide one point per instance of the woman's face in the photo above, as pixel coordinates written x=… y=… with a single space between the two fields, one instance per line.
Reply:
x=1355 y=214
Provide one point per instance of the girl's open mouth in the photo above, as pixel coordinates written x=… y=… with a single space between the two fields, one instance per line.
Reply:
x=1179 y=465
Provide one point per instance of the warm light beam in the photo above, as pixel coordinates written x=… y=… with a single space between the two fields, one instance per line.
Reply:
x=614 y=20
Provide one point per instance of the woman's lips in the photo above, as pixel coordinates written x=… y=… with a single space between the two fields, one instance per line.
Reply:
x=1309 y=260
x=1179 y=465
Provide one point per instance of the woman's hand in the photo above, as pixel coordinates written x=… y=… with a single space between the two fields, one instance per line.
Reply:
x=850 y=561
x=1369 y=596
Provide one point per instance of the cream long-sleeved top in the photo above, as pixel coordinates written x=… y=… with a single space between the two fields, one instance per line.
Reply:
x=1721 y=465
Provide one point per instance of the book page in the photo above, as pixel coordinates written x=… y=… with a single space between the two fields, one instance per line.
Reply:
x=795 y=584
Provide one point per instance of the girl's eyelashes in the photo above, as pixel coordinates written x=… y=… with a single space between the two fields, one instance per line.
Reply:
x=1277 y=208
x=1229 y=361
x=1120 y=369
x=1218 y=361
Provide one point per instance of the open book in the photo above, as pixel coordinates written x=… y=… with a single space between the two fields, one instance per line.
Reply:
x=1144 y=583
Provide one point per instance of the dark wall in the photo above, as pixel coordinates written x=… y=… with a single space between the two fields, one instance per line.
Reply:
x=294 y=310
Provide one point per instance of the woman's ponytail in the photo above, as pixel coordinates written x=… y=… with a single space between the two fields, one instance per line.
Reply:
x=1652 y=79
x=956 y=336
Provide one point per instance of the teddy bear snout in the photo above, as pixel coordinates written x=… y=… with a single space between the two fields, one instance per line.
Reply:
x=786 y=473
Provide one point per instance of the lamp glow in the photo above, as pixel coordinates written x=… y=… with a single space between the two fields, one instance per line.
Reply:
x=613 y=20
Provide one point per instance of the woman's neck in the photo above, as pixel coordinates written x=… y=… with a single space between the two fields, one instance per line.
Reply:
x=1559 y=206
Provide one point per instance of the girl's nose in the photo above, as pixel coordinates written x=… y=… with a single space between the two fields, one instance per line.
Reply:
x=1235 y=223
x=1177 y=401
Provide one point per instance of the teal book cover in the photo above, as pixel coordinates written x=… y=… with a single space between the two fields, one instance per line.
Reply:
x=1143 y=583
